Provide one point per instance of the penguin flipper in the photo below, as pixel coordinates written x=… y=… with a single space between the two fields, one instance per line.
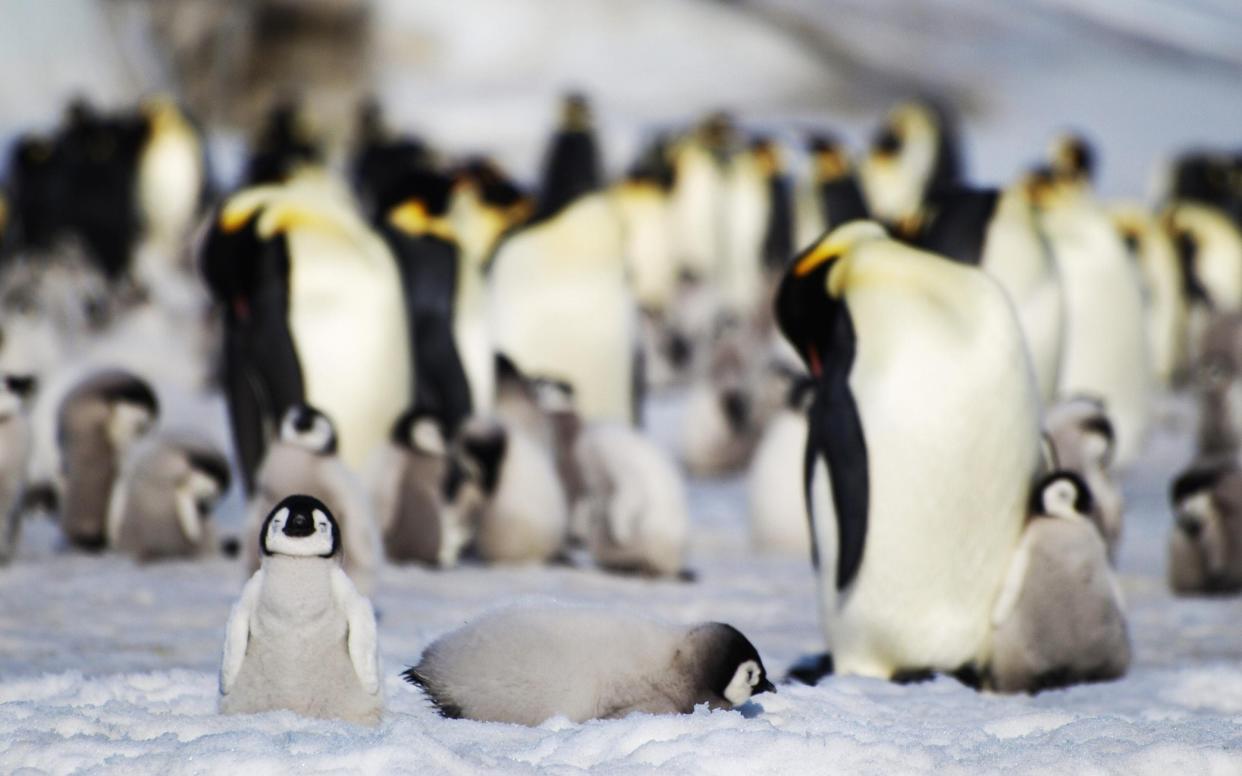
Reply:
x=839 y=443
x=361 y=635
x=237 y=633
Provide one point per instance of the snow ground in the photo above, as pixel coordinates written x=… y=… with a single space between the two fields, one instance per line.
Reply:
x=110 y=667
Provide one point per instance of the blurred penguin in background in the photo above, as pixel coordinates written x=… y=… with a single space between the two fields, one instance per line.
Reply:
x=284 y=144
x=413 y=221
x=1217 y=383
x=699 y=161
x=15 y=440
x=560 y=299
x=380 y=157
x=163 y=501
x=1151 y=246
x=406 y=483
x=1106 y=351
x=1205 y=546
x=313 y=312
x=831 y=195
x=758 y=226
x=97 y=424
x=1209 y=250
x=779 y=523
x=1081 y=441
x=914 y=153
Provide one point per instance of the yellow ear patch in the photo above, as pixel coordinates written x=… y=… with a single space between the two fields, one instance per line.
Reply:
x=412 y=218
x=824 y=252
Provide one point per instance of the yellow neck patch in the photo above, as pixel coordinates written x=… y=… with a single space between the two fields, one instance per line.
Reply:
x=412 y=218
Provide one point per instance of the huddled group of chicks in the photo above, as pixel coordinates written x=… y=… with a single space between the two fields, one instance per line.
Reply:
x=424 y=362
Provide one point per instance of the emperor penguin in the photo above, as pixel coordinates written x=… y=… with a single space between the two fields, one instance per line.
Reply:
x=1106 y=352
x=998 y=231
x=779 y=523
x=313 y=313
x=380 y=158
x=756 y=223
x=571 y=165
x=485 y=205
x=15 y=442
x=406 y=486
x=1217 y=383
x=914 y=509
x=561 y=305
x=699 y=160
x=1209 y=251
x=503 y=491
x=413 y=221
x=832 y=195
x=643 y=200
x=526 y=664
x=301 y=637
x=171 y=185
x=1060 y=618
x=35 y=187
x=1080 y=439
x=1152 y=247
x=1205 y=545
x=304 y=459
x=285 y=144
x=161 y=507
x=915 y=151
x=634 y=505
x=97 y=423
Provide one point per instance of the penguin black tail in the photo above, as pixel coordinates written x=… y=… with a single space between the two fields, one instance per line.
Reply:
x=442 y=706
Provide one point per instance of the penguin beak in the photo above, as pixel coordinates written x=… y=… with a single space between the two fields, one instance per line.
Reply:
x=764 y=686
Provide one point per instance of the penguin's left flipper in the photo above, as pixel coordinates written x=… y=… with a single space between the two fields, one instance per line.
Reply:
x=810 y=669
x=361 y=635
x=237 y=633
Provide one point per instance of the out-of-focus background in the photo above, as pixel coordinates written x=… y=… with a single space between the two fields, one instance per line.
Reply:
x=1142 y=78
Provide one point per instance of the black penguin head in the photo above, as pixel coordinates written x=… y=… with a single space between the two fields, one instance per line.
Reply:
x=479 y=456
x=307 y=427
x=1198 y=499
x=417 y=202
x=213 y=466
x=15 y=391
x=576 y=113
x=1073 y=158
x=731 y=665
x=829 y=156
x=420 y=430
x=300 y=526
x=1062 y=493
x=494 y=187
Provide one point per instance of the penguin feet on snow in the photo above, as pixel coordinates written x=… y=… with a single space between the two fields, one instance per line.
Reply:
x=163 y=500
x=301 y=637
x=1059 y=619
x=1205 y=547
x=15 y=439
x=524 y=665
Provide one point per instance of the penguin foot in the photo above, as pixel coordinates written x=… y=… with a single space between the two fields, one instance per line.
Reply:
x=913 y=676
x=810 y=669
x=970 y=676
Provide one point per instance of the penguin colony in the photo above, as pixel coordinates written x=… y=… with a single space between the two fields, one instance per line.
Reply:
x=931 y=386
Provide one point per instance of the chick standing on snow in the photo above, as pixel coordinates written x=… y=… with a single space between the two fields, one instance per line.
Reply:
x=301 y=637
x=1059 y=618
x=164 y=497
x=406 y=488
x=304 y=460
x=14 y=456
x=524 y=665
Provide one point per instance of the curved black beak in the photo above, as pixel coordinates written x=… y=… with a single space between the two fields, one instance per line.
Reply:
x=764 y=686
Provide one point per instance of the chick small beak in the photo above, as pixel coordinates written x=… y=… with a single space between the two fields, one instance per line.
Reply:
x=764 y=686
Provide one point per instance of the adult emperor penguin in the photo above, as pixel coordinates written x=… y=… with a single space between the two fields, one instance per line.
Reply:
x=285 y=144
x=406 y=484
x=1153 y=248
x=561 y=304
x=998 y=231
x=643 y=199
x=303 y=459
x=699 y=169
x=96 y=424
x=1060 y=618
x=779 y=523
x=1080 y=440
x=15 y=440
x=503 y=488
x=301 y=637
x=413 y=221
x=636 y=515
x=171 y=183
x=1209 y=250
x=1205 y=546
x=525 y=664
x=914 y=153
x=832 y=195
x=756 y=223
x=485 y=205
x=923 y=438
x=571 y=165
x=161 y=507
x=381 y=157
x=313 y=312
x=1106 y=352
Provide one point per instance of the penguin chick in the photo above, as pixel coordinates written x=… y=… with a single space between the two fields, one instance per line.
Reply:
x=301 y=637
x=161 y=505
x=1081 y=436
x=1059 y=618
x=634 y=501
x=779 y=522
x=1217 y=382
x=303 y=459
x=15 y=440
x=723 y=415
x=525 y=665
x=504 y=485
x=406 y=486
x=1205 y=547
x=96 y=424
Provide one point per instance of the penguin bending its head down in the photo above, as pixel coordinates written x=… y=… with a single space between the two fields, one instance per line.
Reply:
x=304 y=459
x=1060 y=618
x=910 y=537
x=15 y=440
x=163 y=500
x=301 y=637
x=406 y=485
x=524 y=665
x=97 y=423
x=1205 y=546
